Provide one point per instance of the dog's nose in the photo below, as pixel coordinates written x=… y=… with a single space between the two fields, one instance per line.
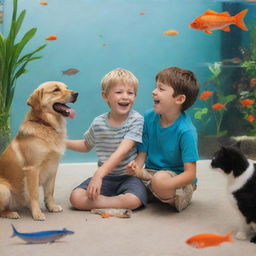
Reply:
x=74 y=95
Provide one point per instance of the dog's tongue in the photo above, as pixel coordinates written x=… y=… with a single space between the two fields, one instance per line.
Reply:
x=72 y=113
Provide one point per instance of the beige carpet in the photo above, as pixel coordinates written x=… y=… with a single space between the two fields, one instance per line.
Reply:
x=154 y=231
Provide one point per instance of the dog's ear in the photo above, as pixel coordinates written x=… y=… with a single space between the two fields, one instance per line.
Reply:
x=35 y=98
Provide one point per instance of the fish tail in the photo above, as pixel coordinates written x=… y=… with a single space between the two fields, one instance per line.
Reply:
x=15 y=232
x=239 y=19
x=229 y=237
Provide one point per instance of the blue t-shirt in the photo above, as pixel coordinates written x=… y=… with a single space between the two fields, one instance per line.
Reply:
x=168 y=148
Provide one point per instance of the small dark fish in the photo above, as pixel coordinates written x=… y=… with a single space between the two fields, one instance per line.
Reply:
x=234 y=60
x=42 y=237
x=70 y=71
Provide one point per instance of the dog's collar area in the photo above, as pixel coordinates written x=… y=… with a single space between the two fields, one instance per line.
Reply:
x=40 y=121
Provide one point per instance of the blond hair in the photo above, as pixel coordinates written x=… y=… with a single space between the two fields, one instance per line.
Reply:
x=118 y=75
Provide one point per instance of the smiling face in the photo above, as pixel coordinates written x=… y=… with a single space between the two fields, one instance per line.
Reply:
x=120 y=98
x=52 y=97
x=163 y=98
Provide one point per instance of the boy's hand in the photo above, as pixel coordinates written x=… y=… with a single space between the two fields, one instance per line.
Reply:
x=94 y=187
x=131 y=168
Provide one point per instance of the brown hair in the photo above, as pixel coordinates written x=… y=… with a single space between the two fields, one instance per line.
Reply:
x=182 y=81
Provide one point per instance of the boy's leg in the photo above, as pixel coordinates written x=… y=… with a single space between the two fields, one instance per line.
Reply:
x=80 y=201
x=179 y=198
x=116 y=192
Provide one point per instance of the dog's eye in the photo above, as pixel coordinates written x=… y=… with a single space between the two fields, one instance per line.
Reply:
x=56 y=90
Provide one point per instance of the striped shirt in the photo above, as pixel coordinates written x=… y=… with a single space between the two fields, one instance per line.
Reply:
x=106 y=138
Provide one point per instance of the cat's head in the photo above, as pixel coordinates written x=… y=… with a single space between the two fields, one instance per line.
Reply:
x=230 y=159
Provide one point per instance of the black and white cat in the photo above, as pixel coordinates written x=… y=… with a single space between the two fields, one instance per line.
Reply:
x=241 y=174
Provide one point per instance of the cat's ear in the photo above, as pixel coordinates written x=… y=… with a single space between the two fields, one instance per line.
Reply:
x=222 y=147
x=237 y=144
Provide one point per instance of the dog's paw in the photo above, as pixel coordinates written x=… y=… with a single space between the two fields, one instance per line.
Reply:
x=55 y=208
x=39 y=216
x=9 y=215
x=240 y=235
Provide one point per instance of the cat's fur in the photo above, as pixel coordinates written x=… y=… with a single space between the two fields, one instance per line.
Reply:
x=241 y=174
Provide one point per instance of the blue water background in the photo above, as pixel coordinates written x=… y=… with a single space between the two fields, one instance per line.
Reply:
x=96 y=36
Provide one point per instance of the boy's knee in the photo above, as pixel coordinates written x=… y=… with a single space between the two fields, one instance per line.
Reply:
x=159 y=178
x=75 y=198
x=134 y=202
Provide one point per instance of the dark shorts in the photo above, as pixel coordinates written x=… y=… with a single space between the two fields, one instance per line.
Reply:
x=116 y=185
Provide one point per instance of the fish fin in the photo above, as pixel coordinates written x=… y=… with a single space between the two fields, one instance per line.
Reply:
x=210 y=12
x=239 y=19
x=226 y=14
x=229 y=237
x=14 y=231
x=226 y=29
x=200 y=245
x=209 y=32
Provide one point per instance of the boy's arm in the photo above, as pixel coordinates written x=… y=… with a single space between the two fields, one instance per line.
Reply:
x=95 y=184
x=78 y=145
x=187 y=177
x=140 y=159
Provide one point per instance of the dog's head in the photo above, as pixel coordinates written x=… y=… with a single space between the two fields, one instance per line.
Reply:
x=230 y=159
x=52 y=97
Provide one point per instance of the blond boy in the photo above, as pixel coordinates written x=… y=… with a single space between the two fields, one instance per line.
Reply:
x=114 y=135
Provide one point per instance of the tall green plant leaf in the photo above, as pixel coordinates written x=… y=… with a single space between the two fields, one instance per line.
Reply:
x=12 y=62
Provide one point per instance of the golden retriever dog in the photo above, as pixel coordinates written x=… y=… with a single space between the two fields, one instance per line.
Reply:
x=32 y=157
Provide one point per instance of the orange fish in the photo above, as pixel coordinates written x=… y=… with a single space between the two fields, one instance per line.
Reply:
x=43 y=2
x=205 y=95
x=212 y=20
x=206 y=240
x=51 y=38
x=171 y=33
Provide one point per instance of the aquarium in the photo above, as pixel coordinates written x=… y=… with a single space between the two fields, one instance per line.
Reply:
x=86 y=39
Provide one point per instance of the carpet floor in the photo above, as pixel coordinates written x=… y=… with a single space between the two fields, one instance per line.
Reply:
x=156 y=230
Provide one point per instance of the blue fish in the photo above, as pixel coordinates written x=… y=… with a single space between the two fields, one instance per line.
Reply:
x=42 y=237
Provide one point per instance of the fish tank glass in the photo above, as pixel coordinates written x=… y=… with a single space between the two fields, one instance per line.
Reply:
x=87 y=39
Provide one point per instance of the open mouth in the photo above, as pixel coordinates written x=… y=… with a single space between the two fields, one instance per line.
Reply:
x=123 y=104
x=64 y=110
x=156 y=101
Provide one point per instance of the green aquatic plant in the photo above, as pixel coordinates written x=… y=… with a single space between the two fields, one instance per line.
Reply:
x=249 y=62
x=214 y=104
x=247 y=106
x=12 y=66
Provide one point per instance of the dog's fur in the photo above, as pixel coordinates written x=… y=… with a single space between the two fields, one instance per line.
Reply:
x=241 y=175
x=32 y=157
